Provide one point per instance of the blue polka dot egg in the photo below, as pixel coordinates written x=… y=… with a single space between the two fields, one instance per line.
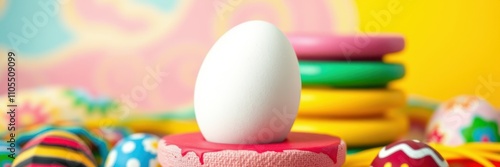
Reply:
x=136 y=150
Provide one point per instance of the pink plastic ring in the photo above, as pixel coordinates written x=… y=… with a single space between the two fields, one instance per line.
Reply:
x=360 y=46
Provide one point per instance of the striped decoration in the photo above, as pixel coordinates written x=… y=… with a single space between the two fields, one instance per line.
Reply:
x=55 y=148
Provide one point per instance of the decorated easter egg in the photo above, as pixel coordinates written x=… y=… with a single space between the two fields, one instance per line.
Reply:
x=136 y=150
x=57 y=106
x=95 y=142
x=248 y=87
x=408 y=153
x=55 y=147
x=462 y=120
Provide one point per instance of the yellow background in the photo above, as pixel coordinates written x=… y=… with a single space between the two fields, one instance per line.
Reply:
x=451 y=45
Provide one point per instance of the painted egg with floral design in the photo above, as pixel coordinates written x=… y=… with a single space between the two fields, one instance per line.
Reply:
x=462 y=120
x=136 y=150
x=407 y=154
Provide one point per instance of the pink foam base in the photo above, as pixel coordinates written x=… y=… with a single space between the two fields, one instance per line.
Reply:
x=300 y=149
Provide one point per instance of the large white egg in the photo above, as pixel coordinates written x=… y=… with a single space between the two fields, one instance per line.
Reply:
x=248 y=87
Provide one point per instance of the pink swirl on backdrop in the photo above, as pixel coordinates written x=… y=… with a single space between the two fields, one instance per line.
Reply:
x=248 y=12
x=77 y=72
x=117 y=75
x=108 y=14
x=304 y=13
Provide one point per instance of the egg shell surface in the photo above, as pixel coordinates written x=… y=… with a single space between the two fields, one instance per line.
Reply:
x=408 y=153
x=462 y=120
x=248 y=87
x=136 y=150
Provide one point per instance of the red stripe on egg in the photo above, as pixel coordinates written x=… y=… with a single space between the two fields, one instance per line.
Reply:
x=57 y=141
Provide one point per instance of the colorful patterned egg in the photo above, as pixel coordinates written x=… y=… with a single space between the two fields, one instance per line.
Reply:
x=96 y=142
x=57 y=106
x=462 y=120
x=408 y=153
x=55 y=147
x=137 y=150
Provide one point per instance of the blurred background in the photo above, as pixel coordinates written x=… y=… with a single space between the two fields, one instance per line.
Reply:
x=119 y=66
x=113 y=47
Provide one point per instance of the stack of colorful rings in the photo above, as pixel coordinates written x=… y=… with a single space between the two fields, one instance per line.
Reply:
x=345 y=89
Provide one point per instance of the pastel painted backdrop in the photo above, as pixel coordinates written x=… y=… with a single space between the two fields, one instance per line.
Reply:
x=146 y=53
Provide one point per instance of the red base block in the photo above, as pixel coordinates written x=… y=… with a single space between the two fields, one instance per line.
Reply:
x=299 y=149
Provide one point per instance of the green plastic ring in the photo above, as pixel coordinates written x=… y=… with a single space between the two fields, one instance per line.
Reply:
x=349 y=74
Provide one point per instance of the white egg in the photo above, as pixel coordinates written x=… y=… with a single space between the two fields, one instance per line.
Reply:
x=248 y=87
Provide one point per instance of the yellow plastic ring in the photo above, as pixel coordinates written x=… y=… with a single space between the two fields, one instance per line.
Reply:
x=349 y=102
x=360 y=132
